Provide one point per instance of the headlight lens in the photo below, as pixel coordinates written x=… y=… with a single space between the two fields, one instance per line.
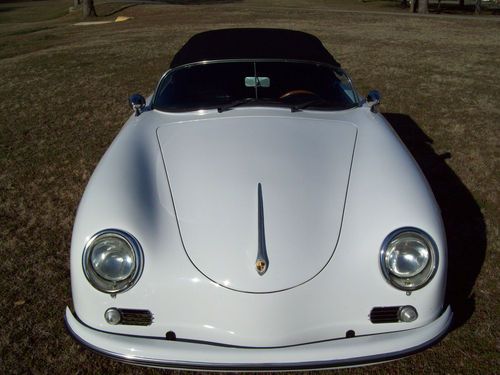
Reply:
x=408 y=258
x=112 y=261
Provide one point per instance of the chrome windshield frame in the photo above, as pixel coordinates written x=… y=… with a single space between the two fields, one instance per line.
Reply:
x=358 y=100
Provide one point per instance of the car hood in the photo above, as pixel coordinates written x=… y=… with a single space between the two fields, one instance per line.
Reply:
x=215 y=167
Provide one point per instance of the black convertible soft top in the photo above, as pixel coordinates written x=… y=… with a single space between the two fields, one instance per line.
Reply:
x=252 y=44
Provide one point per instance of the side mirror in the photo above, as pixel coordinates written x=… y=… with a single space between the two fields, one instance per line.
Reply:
x=137 y=102
x=373 y=98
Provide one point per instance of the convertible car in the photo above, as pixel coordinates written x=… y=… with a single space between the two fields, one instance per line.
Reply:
x=257 y=213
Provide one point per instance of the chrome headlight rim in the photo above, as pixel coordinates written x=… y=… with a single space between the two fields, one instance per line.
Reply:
x=102 y=284
x=429 y=270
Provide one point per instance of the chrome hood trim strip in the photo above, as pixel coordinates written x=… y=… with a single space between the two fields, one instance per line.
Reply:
x=262 y=261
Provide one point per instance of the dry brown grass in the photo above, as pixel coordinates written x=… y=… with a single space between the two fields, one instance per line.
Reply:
x=64 y=91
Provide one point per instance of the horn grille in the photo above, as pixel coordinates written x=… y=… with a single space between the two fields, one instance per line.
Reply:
x=136 y=317
x=385 y=314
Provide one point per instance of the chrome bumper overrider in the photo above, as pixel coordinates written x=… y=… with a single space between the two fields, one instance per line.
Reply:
x=333 y=353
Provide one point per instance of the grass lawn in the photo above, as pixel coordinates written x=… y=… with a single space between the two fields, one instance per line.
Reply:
x=64 y=92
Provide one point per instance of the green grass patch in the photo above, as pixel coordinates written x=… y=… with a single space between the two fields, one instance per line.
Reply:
x=31 y=30
x=33 y=11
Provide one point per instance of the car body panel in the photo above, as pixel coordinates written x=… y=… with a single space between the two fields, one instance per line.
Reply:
x=136 y=198
x=214 y=167
x=345 y=352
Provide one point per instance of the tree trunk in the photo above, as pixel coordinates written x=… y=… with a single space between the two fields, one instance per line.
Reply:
x=478 y=7
x=88 y=9
x=423 y=6
x=413 y=6
x=462 y=3
x=76 y=3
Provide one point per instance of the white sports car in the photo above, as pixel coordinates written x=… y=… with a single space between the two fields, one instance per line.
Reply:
x=255 y=213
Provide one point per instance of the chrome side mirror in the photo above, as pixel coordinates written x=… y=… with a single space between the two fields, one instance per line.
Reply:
x=137 y=102
x=373 y=98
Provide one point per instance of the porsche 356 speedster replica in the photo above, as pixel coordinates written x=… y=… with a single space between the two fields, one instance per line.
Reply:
x=257 y=213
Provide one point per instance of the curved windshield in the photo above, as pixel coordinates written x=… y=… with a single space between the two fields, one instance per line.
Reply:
x=224 y=85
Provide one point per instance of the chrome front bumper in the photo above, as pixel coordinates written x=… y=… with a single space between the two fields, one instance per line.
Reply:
x=343 y=352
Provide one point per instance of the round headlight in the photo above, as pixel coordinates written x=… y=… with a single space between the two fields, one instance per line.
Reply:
x=408 y=258
x=112 y=261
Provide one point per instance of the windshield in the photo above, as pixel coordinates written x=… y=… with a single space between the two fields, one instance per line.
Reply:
x=224 y=85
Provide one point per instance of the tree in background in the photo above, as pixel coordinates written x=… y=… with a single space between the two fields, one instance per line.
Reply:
x=422 y=6
x=477 y=8
x=89 y=9
x=412 y=6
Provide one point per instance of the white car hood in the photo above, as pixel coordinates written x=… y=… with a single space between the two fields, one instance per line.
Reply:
x=214 y=167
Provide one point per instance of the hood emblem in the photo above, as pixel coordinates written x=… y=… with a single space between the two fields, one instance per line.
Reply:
x=262 y=262
x=261 y=266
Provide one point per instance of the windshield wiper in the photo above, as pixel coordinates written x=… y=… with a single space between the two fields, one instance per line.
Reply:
x=235 y=103
x=301 y=106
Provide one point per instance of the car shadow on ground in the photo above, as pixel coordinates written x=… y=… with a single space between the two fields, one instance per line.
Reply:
x=463 y=220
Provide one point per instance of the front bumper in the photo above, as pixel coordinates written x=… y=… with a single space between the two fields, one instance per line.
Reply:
x=347 y=352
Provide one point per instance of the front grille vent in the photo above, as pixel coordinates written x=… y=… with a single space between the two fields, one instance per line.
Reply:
x=385 y=314
x=136 y=317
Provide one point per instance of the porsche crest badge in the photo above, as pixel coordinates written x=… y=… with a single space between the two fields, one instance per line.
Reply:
x=260 y=266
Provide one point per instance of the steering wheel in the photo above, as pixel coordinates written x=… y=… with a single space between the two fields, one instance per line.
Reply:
x=297 y=92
